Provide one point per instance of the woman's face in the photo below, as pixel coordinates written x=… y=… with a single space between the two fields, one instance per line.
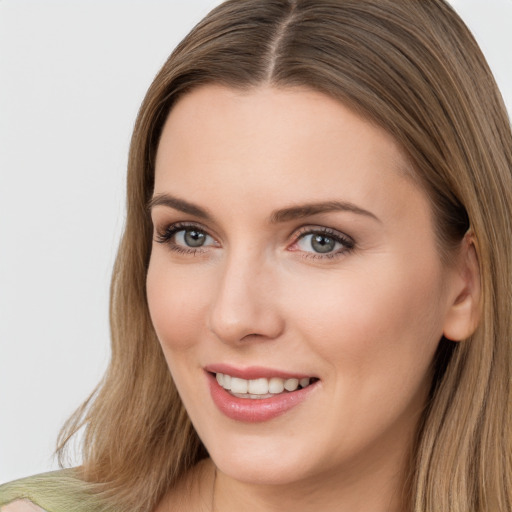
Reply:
x=290 y=244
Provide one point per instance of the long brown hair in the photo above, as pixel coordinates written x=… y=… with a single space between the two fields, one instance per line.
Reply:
x=413 y=68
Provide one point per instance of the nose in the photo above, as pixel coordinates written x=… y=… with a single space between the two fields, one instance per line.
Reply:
x=246 y=302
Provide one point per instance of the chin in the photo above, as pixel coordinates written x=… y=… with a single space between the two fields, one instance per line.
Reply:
x=264 y=471
x=263 y=461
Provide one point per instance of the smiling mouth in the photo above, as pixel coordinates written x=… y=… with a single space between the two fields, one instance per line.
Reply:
x=262 y=387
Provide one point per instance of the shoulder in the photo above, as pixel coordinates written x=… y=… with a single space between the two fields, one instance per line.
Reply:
x=21 y=506
x=58 y=491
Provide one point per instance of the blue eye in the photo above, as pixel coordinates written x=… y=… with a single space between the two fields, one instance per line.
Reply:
x=324 y=242
x=185 y=238
x=191 y=238
x=319 y=243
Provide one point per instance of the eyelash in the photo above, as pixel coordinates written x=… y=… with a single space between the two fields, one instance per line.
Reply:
x=347 y=242
x=166 y=235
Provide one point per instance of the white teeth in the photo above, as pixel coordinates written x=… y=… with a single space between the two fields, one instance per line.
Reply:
x=291 y=384
x=259 y=388
x=276 y=385
x=239 y=385
x=303 y=382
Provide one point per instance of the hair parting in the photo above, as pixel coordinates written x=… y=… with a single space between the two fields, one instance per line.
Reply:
x=414 y=69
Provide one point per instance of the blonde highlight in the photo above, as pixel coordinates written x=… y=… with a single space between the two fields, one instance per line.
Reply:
x=413 y=68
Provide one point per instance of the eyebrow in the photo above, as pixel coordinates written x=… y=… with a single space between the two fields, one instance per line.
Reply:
x=307 y=210
x=276 y=217
x=178 y=204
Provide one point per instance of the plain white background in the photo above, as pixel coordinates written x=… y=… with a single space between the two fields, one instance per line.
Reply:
x=72 y=76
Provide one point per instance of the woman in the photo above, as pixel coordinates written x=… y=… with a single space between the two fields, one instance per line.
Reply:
x=310 y=305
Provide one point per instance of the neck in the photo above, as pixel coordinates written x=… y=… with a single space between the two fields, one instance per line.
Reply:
x=380 y=491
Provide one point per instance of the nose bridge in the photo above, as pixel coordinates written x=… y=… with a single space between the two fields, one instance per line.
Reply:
x=244 y=303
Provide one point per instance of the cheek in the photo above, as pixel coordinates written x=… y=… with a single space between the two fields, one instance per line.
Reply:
x=370 y=322
x=176 y=300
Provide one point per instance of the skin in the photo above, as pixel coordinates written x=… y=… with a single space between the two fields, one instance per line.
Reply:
x=21 y=506
x=366 y=320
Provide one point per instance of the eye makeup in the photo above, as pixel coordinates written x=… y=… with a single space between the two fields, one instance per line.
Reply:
x=313 y=241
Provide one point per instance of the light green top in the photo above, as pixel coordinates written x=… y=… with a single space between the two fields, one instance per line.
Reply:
x=58 y=491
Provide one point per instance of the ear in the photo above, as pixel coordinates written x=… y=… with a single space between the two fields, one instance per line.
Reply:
x=464 y=311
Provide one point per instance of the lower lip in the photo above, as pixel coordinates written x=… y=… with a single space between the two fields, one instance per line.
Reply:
x=259 y=409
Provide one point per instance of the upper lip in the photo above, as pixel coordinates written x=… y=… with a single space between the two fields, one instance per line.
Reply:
x=254 y=372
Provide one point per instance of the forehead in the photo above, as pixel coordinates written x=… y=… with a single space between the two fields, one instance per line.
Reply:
x=286 y=145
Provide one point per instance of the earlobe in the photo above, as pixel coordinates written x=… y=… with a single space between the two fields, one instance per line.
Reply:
x=463 y=317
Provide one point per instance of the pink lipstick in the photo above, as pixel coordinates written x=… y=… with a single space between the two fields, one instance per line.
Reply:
x=238 y=403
